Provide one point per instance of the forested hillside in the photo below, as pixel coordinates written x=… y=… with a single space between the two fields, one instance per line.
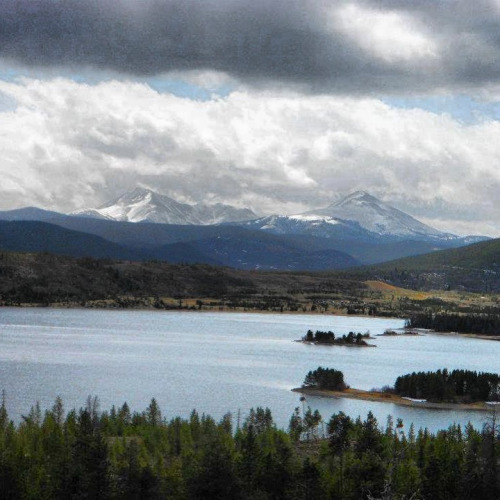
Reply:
x=473 y=268
x=50 y=279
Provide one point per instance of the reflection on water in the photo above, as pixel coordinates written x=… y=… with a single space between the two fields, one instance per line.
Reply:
x=215 y=362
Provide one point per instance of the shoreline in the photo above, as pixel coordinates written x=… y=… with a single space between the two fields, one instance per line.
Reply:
x=467 y=335
x=382 y=397
x=216 y=309
x=204 y=309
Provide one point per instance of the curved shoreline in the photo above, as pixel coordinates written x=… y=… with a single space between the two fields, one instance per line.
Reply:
x=467 y=335
x=382 y=397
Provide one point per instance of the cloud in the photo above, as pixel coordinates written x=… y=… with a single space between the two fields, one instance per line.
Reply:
x=388 y=35
x=363 y=46
x=68 y=145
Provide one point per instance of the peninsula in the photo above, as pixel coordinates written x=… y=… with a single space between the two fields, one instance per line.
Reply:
x=455 y=390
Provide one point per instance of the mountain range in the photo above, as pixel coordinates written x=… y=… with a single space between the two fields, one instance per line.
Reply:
x=358 y=215
x=144 y=225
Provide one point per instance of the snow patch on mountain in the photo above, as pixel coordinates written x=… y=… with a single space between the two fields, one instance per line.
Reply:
x=90 y=213
x=314 y=218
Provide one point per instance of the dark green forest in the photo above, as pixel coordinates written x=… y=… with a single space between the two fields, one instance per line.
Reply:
x=462 y=386
x=89 y=454
x=325 y=378
x=481 y=324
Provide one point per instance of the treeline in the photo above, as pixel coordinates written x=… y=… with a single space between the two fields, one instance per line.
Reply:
x=329 y=338
x=325 y=378
x=484 y=324
x=462 y=386
x=123 y=455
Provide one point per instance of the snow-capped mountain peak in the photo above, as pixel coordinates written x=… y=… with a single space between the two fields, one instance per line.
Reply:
x=142 y=205
x=145 y=205
x=380 y=218
x=357 y=198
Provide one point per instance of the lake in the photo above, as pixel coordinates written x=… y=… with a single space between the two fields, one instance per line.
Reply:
x=215 y=362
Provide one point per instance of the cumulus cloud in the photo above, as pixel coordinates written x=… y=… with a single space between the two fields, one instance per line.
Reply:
x=362 y=46
x=68 y=145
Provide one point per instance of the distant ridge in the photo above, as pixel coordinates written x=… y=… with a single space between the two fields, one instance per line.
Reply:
x=223 y=246
x=29 y=213
x=36 y=236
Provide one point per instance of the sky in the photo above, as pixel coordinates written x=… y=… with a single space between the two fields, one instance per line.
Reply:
x=281 y=106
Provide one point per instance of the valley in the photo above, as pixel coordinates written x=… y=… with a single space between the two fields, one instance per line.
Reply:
x=344 y=259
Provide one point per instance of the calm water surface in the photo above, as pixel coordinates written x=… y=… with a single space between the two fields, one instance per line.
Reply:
x=214 y=362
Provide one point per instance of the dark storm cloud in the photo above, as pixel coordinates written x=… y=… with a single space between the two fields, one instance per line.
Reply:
x=308 y=42
x=150 y=37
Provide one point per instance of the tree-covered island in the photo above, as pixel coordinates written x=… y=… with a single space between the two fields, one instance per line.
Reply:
x=328 y=338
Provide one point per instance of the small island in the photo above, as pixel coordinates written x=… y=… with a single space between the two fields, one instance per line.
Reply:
x=328 y=338
x=393 y=333
x=442 y=389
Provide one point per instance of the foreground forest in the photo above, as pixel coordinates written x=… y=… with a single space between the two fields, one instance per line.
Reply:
x=119 y=454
